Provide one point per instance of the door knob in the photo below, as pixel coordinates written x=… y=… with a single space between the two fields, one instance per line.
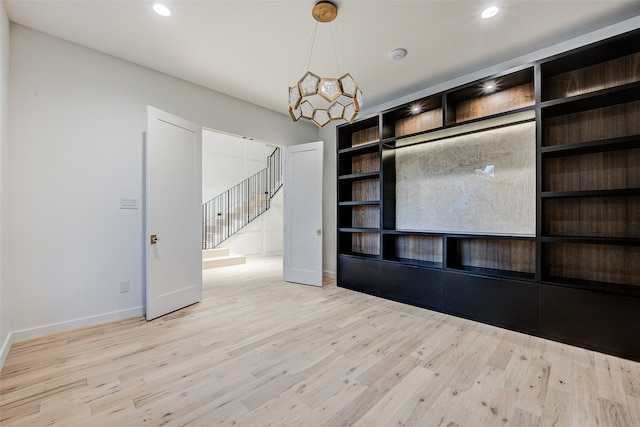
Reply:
x=318 y=231
x=153 y=239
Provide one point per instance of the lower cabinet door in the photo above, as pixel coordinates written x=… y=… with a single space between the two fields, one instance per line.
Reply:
x=359 y=274
x=597 y=320
x=502 y=302
x=412 y=285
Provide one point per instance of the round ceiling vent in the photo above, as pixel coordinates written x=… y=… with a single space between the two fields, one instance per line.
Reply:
x=397 y=54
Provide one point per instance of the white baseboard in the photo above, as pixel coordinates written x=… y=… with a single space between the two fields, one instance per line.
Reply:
x=265 y=254
x=6 y=345
x=327 y=273
x=54 y=328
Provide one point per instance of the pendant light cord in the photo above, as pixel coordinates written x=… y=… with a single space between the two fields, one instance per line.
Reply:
x=335 y=34
x=336 y=40
x=311 y=44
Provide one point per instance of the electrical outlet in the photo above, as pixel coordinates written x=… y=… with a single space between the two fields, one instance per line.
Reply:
x=124 y=286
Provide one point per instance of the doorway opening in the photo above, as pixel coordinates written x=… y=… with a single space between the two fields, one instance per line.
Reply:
x=239 y=219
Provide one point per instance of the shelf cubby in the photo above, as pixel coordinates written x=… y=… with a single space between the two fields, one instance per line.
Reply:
x=360 y=161
x=604 y=65
x=502 y=257
x=419 y=116
x=614 y=96
x=604 y=75
x=414 y=249
x=490 y=97
x=359 y=242
x=359 y=216
x=365 y=163
x=364 y=189
x=363 y=132
x=605 y=122
x=599 y=170
x=601 y=217
x=598 y=263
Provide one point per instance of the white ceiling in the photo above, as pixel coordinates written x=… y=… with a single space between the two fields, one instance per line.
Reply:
x=255 y=50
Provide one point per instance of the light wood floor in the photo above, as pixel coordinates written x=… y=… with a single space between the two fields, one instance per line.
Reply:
x=260 y=352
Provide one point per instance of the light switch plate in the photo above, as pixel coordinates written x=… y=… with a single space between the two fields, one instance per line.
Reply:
x=128 y=203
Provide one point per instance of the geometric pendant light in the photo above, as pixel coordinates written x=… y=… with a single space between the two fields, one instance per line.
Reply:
x=322 y=99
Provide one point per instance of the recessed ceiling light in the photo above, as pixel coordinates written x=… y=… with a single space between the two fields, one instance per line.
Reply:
x=161 y=9
x=490 y=12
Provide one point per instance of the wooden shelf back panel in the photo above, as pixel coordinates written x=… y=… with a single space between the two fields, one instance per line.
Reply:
x=365 y=163
x=496 y=254
x=421 y=248
x=598 y=263
x=365 y=217
x=592 y=125
x=615 y=72
x=365 y=136
x=419 y=123
x=607 y=170
x=365 y=190
x=365 y=243
x=499 y=102
x=603 y=217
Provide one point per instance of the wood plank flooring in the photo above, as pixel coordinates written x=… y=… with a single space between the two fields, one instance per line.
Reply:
x=261 y=352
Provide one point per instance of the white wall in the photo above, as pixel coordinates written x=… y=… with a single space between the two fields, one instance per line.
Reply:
x=264 y=235
x=328 y=133
x=228 y=160
x=76 y=147
x=4 y=143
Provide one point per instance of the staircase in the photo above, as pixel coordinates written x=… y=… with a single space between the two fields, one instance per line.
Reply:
x=229 y=212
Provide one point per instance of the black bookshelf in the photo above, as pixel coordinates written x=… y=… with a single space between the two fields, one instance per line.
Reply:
x=578 y=279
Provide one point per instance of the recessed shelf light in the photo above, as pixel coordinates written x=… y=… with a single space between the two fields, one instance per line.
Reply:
x=489 y=87
x=490 y=12
x=161 y=9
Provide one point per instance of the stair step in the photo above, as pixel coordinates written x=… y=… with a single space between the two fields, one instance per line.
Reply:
x=214 y=253
x=223 y=261
x=259 y=197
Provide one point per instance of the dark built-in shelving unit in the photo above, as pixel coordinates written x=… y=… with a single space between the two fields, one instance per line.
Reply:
x=577 y=280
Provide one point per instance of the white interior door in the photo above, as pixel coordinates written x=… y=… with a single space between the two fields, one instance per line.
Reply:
x=173 y=211
x=303 y=214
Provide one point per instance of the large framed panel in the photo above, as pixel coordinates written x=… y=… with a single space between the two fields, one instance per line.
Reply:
x=479 y=183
